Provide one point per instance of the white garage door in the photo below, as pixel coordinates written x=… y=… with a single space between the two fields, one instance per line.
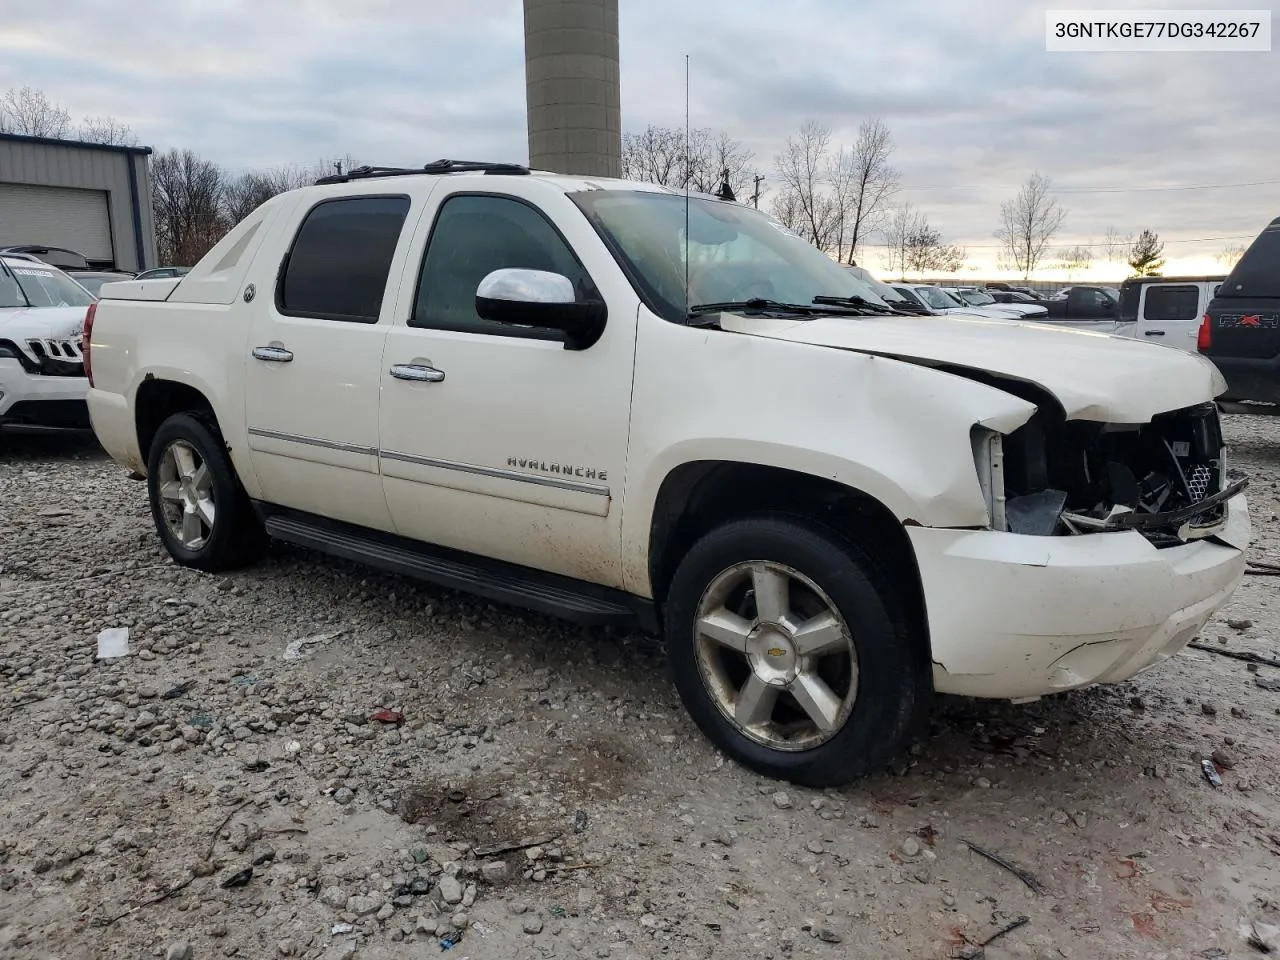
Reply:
x=56 y=217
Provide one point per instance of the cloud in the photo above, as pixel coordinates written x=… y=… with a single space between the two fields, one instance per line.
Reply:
x=974 y=101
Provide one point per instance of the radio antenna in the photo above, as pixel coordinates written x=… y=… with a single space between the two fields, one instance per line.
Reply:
x=688 y=175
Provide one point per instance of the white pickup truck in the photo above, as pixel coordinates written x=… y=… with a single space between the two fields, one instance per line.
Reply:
x=608 y=401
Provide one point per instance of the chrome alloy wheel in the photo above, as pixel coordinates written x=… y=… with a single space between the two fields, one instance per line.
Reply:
x=775 y=655
x=186 y=494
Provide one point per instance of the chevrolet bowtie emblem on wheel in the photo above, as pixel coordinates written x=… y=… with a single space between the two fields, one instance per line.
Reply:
x=776 y=652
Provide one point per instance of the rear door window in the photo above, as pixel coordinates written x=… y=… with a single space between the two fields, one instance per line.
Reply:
x=1166 y=303
x=338 y=266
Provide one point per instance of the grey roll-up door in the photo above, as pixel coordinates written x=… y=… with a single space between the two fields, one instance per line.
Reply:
x=57 y=217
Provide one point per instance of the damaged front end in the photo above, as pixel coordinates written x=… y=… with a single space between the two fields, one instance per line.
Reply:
x=1165 y=479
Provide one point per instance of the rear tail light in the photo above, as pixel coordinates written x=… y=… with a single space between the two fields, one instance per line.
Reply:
x=86 y=337
x=1204 y=339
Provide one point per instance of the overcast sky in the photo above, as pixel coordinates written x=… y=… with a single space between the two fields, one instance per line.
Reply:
x=972 y=98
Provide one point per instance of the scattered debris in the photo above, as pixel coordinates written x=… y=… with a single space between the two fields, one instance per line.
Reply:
x=1239 y=624
x=213 y=840
x=1224 y=759
x=293 y=651
x=1237 y=655
x=173 y=693
x=1027 y=878
x=341 y=928
x=1263 y=938
x=1266 y=683
x=451 y=941
x=492 y=849
x=1211 y=772
x=976 y=951
x=579 y=821
x=177 y=887
x=113 y=642
x=240 y=879
x=387 y=716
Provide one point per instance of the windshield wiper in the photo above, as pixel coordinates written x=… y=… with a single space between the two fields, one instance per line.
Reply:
x=863 y=306
x=759 y=305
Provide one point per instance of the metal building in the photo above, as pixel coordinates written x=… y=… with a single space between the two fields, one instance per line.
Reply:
x=571 y=82
x=87 y=197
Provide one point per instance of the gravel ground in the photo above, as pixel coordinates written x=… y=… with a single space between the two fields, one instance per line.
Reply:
x=367 y=775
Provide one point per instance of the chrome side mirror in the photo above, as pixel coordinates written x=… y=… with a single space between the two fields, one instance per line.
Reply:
x=516 y=285
x=538 y=298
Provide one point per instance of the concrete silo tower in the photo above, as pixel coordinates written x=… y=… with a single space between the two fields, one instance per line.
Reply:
x=571 y=79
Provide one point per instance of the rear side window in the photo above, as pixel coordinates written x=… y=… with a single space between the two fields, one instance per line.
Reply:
x=1165 y=303
x=337 y=268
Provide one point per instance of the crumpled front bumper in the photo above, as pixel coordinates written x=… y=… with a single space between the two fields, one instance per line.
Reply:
x=1014 y=616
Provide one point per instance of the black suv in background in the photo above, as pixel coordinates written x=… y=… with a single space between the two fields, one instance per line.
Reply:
x=1240 y=331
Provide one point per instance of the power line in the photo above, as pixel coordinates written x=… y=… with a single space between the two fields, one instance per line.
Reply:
x=1081 y=190
x=1095 y=245
x=1193 y=186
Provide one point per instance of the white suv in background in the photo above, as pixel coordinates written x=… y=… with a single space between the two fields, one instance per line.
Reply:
x=42 y=313
x=974 y=297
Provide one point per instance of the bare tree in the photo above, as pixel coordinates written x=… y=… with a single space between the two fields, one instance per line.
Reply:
x=801 y=169
x=703 y=158
x=903 y=224
x=655 y=156
x=1230 y=256
x=1145 y=257
x=872 y=182
x=718 y=156
x=1028 y=223
x=1116 y=245
x=29 y=112
x=1075 y=258
x=785 y=208
x=107 y=130
x=926 y=253
x=187 y=195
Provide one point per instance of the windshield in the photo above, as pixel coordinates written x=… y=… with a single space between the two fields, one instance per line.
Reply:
x=34 y=286
x=735 y=253
x=936 y=298
x=94 y=283
x=977 y=297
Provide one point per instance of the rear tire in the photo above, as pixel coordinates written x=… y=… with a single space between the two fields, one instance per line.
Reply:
x=201 y=511
x=792 y=651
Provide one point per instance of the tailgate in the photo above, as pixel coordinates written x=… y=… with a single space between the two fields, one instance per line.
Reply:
x=1244 y=327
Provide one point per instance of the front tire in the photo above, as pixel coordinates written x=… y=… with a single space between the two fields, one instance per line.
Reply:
x=201 y=511
x=793 y=653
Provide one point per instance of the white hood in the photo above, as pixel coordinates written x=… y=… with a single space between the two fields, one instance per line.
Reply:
x=1094 y=376
x=38 y=323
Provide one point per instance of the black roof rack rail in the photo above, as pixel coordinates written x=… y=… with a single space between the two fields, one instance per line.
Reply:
x=436 y=168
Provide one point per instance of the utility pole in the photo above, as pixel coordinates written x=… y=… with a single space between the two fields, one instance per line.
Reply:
x=755 y=197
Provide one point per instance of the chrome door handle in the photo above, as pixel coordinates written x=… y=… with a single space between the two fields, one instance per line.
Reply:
x=1153 y=333
x=273 y=354
x=419 y=372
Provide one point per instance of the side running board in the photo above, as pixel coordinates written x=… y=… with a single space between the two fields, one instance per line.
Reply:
x=494 y=580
